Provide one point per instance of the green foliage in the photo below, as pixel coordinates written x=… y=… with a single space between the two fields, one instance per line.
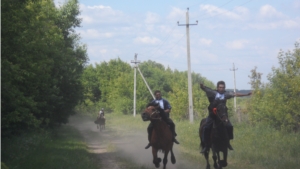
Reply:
x=110 y=85
x=277 y=102
x=41 y=64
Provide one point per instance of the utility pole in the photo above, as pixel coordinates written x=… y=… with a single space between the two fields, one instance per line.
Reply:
x=234 y=69
x=135 y=61
x=191 y=110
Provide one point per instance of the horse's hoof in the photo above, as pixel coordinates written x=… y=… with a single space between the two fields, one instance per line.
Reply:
x=173 y=160
x=223 y=163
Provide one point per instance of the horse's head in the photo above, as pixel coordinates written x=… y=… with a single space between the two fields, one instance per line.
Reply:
x=221 y=112
x=150 y=112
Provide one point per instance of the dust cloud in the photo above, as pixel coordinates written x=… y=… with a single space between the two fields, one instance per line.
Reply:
x=128 y=145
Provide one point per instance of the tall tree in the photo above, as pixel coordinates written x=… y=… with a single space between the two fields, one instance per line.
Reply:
x=277 y=103
x=40 y=65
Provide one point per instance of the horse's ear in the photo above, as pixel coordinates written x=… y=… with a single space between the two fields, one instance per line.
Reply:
x=149 y=104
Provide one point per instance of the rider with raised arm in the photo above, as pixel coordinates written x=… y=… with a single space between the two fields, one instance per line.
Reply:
x=213 y=95
x=165 y=109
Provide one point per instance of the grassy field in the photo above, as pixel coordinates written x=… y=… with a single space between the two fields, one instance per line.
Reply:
x=256 y=147
x=63 y=148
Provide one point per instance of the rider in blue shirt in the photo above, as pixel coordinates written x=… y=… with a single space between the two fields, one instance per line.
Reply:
x=165 y=115
x=213 y=95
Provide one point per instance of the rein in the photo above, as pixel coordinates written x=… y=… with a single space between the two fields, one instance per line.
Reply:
x=155 y=112
x=215 y=122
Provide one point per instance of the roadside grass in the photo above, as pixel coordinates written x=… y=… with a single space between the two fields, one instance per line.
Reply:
x=61 y=148
x=258 y=147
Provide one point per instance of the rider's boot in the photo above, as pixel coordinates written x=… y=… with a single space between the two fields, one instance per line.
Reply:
x=230 y=135
x=174 y=140
x=149 y=138
x=205 y=149
x=174 y=134
x=229 y=146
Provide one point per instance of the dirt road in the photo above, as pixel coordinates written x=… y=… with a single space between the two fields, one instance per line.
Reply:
x=119 y=149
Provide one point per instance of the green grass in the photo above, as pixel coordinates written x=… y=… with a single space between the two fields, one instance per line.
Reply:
x=63 y=148
x=255 y=146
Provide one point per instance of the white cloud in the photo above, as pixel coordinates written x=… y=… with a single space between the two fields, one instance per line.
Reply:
x=176 y=14
x=147 y=40
x=204 y=41
x=236 y=44
x=101 y=14
x=151 y=18
x=212 y=10
x=94 y=34
x=99 y=7
x=288 y=24
x=268 y=11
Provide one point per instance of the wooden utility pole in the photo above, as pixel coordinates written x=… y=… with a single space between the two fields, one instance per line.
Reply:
x=135 y=61
x=191 y=110
x=234 y=69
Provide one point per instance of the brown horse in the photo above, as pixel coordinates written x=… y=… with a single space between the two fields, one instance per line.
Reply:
x=219 y=139
x=161 y=138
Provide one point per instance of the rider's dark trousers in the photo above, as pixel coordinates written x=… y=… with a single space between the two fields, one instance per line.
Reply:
x=208 y=127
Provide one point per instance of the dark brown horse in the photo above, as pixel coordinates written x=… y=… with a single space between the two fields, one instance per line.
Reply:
x=219 y=139
x=161 y=138
x=100 y=122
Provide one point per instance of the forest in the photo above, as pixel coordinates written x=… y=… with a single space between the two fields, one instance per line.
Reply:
x=46 y=76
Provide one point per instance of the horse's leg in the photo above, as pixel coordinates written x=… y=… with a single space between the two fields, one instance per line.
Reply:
x=207 y=161
x=224 y=161
x=156 y=160
x=219 y=160
x=214 y=156
x=173 y=160
x=165 y=161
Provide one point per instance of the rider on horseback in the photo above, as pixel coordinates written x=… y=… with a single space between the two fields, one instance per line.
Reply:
x=165 y=109
x=213 y=96
x=101 y=112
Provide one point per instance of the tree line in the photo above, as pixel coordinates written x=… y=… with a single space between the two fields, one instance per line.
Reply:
x=110 y=85
x=42 y=61
x=274 y=103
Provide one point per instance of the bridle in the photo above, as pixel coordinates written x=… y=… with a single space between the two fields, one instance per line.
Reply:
x=153 y=118
x=219 y=117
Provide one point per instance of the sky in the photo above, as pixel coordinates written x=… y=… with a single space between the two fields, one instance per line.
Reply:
x=246 y=33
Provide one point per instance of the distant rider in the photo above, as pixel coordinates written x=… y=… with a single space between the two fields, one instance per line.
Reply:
x=101 y=112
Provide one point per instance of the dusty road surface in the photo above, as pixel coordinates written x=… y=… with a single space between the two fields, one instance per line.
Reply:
x=120 y=149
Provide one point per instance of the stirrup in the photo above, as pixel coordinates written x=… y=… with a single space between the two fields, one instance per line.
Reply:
x=149 y=145
x=205 y=149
